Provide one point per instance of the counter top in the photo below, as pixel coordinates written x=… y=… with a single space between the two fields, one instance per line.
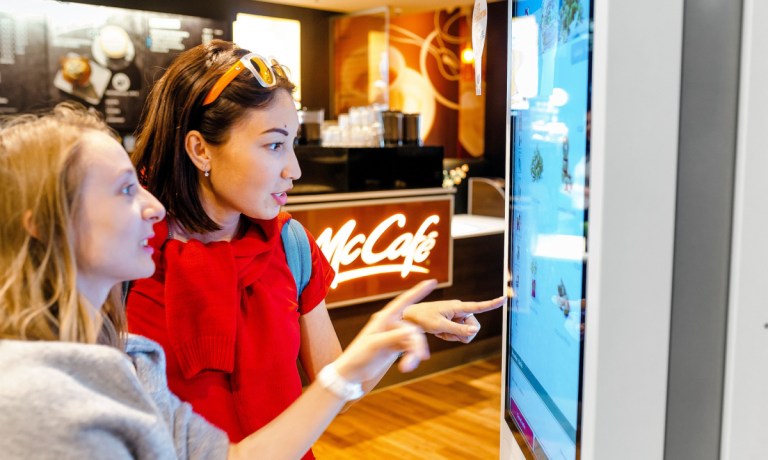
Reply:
x=355 y=196
x=469 y=225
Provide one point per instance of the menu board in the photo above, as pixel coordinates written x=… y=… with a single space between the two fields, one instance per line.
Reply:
x=550 y=103
x=22 y=60
x=103 y=57
x=95 y=56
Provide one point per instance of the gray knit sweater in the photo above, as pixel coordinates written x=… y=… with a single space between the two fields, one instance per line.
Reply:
x=74 y=401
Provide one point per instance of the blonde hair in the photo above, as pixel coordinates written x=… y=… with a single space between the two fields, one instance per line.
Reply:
x=41 y=174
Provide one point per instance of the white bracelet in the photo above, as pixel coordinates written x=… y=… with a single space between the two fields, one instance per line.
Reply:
x=330 y=379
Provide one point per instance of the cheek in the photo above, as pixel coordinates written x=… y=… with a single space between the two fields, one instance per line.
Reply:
x=87 y=250
x=248 y=182
x=82 y=231
x=254 y=177
x=99 y=241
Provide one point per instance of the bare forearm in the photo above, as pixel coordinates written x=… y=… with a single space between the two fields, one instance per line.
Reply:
x=294 y=431
x=370 y=384
x=366 y=358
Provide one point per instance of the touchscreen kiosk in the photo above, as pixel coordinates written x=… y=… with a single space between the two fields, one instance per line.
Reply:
x=548 y=193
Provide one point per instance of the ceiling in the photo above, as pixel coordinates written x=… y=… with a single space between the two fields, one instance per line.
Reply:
x=396 y=6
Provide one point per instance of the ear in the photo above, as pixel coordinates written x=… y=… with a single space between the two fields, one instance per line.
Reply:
x=29 y=224
x=198 y=150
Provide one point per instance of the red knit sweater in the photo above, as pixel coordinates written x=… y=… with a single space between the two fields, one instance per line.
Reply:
x=226 y=315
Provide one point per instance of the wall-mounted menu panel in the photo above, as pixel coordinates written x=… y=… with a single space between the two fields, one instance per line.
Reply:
x=23 y=60
x=103 y=57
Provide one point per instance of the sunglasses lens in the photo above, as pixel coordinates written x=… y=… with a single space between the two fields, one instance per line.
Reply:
x=264 y=71
x=280 y=70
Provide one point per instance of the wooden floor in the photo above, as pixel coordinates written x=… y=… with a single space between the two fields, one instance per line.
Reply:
x=451 y=415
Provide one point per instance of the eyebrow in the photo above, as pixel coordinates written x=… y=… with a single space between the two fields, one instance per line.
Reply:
x=123 y=173
x=276 y=130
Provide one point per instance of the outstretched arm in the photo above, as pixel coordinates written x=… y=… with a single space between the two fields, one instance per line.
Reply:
x=451 y=320
x=294 y=431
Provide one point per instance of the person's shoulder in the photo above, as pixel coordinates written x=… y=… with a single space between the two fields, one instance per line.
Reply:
x=138 y=344
x=145 y=353
x=80 y=400
x=148 y=360
x=14 y=353
x=282 y=218
x=42 y=372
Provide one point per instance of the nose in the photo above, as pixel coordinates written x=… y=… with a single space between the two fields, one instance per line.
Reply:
x=153 y=210
x=292 y=169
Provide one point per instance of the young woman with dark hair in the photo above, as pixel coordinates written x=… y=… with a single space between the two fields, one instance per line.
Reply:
x=216 y=147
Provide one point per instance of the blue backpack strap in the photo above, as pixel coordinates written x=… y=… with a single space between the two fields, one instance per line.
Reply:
x=297 y=253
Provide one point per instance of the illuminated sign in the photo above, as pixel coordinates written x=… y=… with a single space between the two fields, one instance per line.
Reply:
x=380 y=248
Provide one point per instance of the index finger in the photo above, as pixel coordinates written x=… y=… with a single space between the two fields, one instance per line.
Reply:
x=465 y=308
x=394 y=309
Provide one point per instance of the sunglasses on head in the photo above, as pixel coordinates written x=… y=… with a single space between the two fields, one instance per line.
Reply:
x=266 y=72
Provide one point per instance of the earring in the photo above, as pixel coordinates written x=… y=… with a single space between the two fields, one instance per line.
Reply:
x=207 y=173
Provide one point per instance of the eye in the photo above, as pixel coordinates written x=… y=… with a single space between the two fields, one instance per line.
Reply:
x=128 y=189
x=275 y=146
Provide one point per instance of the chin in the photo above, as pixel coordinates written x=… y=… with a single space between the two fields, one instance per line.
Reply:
x=144 y=272
x=265 y=214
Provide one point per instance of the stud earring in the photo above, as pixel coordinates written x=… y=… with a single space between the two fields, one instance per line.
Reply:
x=207 y=173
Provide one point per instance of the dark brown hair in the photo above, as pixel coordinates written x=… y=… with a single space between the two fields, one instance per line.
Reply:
x=174 y=107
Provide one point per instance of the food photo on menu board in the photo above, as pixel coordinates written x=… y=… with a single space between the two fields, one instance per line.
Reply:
x=93 y=57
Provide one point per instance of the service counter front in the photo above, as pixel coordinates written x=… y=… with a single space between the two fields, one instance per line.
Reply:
x=381 y=243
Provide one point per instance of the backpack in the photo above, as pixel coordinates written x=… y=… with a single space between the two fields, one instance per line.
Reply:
x=297 y=253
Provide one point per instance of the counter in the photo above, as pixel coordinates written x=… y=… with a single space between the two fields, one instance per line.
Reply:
x=360 y=169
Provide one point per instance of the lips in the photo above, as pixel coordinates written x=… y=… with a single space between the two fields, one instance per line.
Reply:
x=281 y=198
x=145 y=244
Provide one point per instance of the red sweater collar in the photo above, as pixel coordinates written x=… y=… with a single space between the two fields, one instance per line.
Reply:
x=204 y=288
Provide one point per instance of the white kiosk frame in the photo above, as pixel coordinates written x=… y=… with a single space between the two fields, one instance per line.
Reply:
x=634 y=144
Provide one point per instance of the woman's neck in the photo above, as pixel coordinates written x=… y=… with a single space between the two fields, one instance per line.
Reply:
x=95 y=291
x=227 y=232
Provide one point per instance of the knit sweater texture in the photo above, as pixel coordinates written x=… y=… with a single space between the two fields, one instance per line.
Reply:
x=227 y=315
x=61 y=400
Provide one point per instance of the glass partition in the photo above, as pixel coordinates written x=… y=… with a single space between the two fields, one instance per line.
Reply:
x=360 y=44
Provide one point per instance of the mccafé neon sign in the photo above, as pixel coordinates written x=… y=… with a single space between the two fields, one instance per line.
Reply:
x=409 y=249
x=379 y=248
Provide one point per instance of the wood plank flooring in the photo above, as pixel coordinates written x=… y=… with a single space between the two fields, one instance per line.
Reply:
x=446 y=416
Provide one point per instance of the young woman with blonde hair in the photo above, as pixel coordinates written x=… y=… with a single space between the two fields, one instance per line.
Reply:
x=74 y=224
